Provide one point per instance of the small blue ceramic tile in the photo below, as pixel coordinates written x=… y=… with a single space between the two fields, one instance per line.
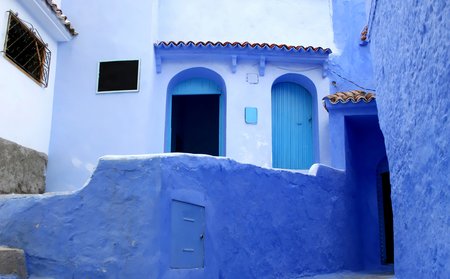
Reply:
x=251 y=115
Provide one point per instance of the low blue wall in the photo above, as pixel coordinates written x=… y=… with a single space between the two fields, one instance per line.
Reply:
x=260 y=223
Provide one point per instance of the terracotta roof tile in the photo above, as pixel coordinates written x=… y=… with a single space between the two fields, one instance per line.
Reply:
x=355 y=96
x=62 y=17
x=364 y=33
x=209 y=44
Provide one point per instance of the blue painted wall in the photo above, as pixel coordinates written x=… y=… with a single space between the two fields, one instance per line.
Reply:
x=351 y=60
x=260 y=223
x=338 y=135
x=410 y=54
x=358 y=147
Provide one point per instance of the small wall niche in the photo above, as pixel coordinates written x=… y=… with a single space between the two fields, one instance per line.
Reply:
x=252 y=78
x=251 y=115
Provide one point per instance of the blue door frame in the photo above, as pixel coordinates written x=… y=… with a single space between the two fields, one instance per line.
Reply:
x=196 y=86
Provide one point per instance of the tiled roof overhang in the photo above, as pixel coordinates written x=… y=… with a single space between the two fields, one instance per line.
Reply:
x=354 y=96
x=244 y=45
x=62 y=17
x=235 y=51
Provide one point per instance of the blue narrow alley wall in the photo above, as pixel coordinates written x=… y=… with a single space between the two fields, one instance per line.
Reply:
x=260 y=223
x=410 y=48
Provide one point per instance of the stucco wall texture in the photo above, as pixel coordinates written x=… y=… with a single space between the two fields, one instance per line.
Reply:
x=260 y=223
x=350 y=61
x=410 y=43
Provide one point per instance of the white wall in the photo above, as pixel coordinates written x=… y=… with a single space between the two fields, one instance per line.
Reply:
x=25 y=106
x=251 y=143
x=87 y=125
x=293 y=22
x=296 y=22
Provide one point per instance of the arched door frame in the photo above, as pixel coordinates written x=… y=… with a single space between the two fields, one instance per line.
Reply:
x=311 y=88
x=203 y=73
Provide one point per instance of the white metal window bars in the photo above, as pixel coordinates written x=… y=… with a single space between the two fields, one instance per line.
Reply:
x=25 y=48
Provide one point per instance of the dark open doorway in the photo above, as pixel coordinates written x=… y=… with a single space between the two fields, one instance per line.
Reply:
x=387 y=231
x=195 y=124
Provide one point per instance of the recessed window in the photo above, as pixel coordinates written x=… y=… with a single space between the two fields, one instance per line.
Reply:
x=25 y=48
x=118 y=76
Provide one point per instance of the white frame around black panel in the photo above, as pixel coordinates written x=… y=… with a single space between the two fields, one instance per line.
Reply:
x=118 y=91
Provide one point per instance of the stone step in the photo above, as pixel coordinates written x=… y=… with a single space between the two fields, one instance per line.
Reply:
x=12 y=263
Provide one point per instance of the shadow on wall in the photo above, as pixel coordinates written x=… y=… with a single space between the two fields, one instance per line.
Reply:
x=369 y=171
x=258 y=223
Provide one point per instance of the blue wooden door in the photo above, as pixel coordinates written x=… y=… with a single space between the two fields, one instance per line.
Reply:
x=292 y=140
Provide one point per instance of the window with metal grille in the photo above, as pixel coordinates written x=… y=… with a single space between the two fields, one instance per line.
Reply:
x=25 y=48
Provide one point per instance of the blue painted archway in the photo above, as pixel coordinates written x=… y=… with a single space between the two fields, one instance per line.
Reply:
x=294 y=122
x=196 y=81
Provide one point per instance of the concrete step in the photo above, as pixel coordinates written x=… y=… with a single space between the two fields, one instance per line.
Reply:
x=12 y=263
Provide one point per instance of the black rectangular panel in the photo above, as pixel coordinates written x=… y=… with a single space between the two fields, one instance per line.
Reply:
x=118 y=76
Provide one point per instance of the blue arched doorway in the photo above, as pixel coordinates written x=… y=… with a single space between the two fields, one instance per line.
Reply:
x=292 y=126
x=196 y=113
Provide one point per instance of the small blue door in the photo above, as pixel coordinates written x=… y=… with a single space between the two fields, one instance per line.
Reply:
x=292 y=143
x=187 y=235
